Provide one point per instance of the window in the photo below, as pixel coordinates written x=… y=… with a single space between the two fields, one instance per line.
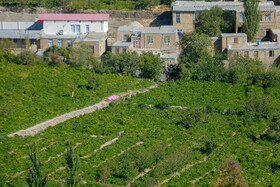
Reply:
x=87 y=28
x=240 y=18
x=124 y=49
x=178 y=19
x=125 y=37
x=235 y=40
x=33 y=42
x=92 y=48
x=50 y=43
x=15 y=41
x=167 y=39
x=59 y=43
x=180 y=33
x=267 y=18
x=149 y=39
x=75 y=28
x=271 y=53
x=69 y=42
x=136 y=42
x=256 y=53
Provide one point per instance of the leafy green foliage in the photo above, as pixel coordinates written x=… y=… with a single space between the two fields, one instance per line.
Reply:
x=150 y=65
x=231 y=175
x=215 y=21
x=35 y=177
x=193 y=46
x=251 y=18
x=73 y=166
x=32 y=94
x=275 y=127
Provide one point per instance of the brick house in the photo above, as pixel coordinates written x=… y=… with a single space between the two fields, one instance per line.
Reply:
x=159 y=40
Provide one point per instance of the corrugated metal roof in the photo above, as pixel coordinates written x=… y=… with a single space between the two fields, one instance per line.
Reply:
x=19 y=34
x=74 y=17
x=150 y=30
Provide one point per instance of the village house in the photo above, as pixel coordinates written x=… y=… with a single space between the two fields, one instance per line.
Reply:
x=184 y=14
x=236 y=44
x=16 y=33
x=159 y=40
x=65 y=30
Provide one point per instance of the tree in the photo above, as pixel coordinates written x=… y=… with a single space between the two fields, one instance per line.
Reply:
x=108 y=61
x=193 y=46
x=210 y=68
x=150 y=65
x=34 y=177
x=82 y=56
x=251 y=18
x=215 y=21
x=126 y=63
x=73 y=166
x=72 y=87
x=231 y=174
x=275 y=127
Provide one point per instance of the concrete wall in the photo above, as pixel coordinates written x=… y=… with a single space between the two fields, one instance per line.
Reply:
x=263 y=55
x=99 y=47
x=158 y=41
x=241 y=42
x=186 y=21
x=53 y=27
x=44 y=43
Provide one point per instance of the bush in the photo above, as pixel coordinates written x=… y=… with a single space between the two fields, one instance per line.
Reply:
x=28 y=58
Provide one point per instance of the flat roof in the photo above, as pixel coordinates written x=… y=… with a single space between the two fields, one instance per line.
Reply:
x=73 y=17
x=19 y=34
x=168 y=29
x=121 y=44
x=191 y=6
x=255 y=47
x=233 y=34
x=91 y=37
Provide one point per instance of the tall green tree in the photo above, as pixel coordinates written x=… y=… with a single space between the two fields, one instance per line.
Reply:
x=251 y=18
x=126 y=63
x=193 y=46
x=73 y=166
x=150 y=65
x=34 y=177
x=215 y=21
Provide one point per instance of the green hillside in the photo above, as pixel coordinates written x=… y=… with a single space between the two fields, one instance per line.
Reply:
x=222 y=122
x=32 y=94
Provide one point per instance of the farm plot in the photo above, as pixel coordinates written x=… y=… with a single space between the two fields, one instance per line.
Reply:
x=130 y=144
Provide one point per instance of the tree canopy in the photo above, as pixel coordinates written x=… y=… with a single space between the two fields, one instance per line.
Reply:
x=215 y=21
x=251 y=18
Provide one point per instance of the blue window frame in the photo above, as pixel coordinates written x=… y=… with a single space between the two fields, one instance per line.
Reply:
x=59 y=43
x=50 y=43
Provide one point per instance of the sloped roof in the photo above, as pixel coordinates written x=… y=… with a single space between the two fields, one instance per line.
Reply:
x=74 y=17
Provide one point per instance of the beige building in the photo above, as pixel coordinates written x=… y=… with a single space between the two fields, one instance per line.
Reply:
x=184 y=14
x=236 y=44
x=159 y=40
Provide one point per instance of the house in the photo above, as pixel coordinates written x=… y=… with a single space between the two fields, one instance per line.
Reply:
x=18 y=32
x=236 y=44
x=159 y=40
x=64 y=30
x=184 y=14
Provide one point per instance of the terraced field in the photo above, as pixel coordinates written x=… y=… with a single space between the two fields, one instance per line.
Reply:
x=132 y=144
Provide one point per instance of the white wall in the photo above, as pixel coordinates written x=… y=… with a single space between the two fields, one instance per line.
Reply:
x=53 y=27
x=15 y=25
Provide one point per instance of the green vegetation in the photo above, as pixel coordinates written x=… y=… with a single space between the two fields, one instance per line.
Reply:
x=85 y=4
x=215 y=21
x=251 y=18
x=32 y=94
x=219 y=124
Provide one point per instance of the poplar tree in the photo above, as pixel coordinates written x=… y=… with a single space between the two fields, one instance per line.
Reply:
x=34 y=177
x=251 y=18
x=73 y=166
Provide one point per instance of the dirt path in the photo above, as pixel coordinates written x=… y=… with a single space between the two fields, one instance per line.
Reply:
x=180 y=172
x=57 y=120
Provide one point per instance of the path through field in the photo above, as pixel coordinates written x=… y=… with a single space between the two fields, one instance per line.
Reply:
x=57 y=120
